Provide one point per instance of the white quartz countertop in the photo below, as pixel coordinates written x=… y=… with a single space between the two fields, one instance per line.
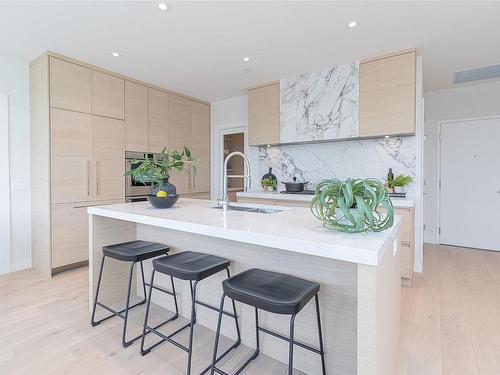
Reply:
x=397 y=202
x=294 y=229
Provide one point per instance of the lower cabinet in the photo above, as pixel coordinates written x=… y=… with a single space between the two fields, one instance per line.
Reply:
x=70 y=232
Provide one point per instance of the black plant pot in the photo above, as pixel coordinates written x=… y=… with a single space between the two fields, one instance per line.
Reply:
x=165 y=186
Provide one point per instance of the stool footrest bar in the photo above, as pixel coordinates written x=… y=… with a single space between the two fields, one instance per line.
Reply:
x=287 y=339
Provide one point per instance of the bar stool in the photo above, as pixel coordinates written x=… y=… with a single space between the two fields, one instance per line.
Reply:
x=134 y=252
x=276 y=293
x=194 y=267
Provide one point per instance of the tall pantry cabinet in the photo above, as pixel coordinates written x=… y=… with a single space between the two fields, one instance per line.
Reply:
x=83 y=119
x=77 y=154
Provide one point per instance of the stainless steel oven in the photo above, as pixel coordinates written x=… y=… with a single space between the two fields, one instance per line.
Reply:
x=135 y=189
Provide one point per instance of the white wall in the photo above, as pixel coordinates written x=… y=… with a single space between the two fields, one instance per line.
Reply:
x=14 y=81
x=476 y=100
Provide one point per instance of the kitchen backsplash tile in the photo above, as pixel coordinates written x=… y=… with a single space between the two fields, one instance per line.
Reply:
x=314 y=162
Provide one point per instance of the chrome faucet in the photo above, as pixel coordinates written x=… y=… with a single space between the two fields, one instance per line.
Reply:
x=225 y=179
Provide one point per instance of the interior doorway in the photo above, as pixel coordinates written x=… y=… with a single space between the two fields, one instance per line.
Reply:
x=469 y=185
x=226 y=139
x=234 y=142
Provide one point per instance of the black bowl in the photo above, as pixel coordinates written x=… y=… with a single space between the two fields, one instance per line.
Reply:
x=163 y=202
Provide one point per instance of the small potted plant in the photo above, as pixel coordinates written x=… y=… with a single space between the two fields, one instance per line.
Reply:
x=399 y=183
x=269 y=184
x=158 y=171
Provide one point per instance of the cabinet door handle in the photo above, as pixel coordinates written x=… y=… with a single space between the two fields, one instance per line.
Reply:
x=88 y=178
x=97 y=177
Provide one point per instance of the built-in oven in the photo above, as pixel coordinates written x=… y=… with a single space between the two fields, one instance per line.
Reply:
x=136 y=189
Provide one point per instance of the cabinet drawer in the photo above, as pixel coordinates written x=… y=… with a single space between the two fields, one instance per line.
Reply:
x=406 y=223
x=69 y=234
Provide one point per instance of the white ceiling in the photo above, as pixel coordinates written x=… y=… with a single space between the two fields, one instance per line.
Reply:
x=197 y=47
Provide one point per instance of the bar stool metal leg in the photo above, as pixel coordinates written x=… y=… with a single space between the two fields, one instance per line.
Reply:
x=92 y=320
x=290 y=349
x=320 y=335
x=146 y=315
x=191 y=326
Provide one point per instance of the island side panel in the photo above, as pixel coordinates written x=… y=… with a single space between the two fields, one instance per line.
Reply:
x=338 y=298
x=379 y=313
x=105 y=231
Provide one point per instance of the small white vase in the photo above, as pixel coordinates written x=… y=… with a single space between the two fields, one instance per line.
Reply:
x=399 y=189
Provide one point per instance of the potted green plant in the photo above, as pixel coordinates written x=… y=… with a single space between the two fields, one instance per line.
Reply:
x=399 y=183
x=269 y=184
x=353 y=206
x=158 y=170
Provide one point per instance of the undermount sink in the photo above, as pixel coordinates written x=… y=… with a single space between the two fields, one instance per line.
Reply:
x=260 y=210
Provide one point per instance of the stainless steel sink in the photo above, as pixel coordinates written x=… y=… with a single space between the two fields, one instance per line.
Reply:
x=260 y=210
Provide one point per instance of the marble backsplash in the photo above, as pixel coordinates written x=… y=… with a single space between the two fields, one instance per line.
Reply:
x=314 y=162
x=320 y=105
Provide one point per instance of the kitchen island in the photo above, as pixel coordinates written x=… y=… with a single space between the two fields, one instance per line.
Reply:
x=359 y=275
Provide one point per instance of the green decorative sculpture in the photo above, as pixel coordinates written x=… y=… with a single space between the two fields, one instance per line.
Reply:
x=353 y=206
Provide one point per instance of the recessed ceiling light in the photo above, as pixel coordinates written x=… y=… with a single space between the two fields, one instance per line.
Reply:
x=246 y=59
x=115 y=54
x=352 y=24
x=162 y=6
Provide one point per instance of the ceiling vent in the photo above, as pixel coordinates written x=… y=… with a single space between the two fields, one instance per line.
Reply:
x=477 y=74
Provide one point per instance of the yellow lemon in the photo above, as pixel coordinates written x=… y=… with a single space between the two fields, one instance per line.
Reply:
x=162 y=194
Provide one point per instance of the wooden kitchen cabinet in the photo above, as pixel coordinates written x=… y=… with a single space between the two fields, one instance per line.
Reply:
x=180 y=135
x=70 y=86
x=108 y=95
x=71 y=159
x=136 y=117
x=158 y=120
x=264 y=115
x=200 y=133
x=70 y=229
x=108 y=158
x=387 y=95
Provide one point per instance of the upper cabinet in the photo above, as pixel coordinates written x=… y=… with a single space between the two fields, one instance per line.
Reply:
x=180 y=135
x=200 y=133
x=264 y=115
x=108 y=95
x=70 y=86
x=136 y=117
x=158 y=120
x=387 y=95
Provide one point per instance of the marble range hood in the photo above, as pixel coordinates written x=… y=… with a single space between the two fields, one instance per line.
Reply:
x=320 y=105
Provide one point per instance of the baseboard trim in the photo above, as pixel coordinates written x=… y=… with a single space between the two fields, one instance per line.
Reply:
x=19 y=265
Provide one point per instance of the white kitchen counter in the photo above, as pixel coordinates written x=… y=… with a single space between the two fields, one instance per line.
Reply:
x=397 y=202
x=294 y=229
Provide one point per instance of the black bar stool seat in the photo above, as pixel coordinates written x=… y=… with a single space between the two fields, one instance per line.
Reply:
x=276 y=293
x=270 y=291
x=190 y=265
x=193 y=267
x=134 y=251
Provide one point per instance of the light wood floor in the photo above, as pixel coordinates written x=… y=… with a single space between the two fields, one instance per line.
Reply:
x=450 y=325
x=451 y=315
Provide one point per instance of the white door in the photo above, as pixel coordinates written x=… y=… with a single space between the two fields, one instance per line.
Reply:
x=470 y=183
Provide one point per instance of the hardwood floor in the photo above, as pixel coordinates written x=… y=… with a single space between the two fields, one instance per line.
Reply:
x=451 y=315
x=450 y=325
x=45 y=329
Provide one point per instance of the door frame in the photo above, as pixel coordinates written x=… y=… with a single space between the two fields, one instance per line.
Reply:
x=5 y=244
x=439 y=164
x=217 y=150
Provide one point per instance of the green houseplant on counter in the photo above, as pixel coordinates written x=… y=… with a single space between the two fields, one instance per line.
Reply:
x=158 y=170
x=353 y=206
x=399 y=183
